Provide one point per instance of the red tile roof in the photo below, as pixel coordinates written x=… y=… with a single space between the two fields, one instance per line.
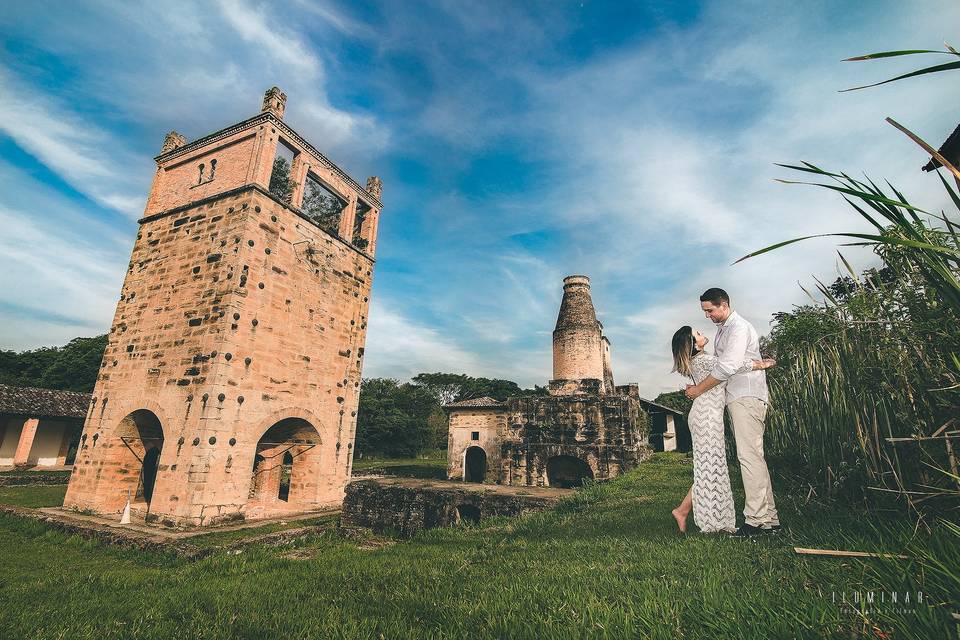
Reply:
x=43 y=403
x=473 y=403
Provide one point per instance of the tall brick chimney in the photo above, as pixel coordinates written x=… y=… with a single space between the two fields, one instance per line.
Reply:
x=577 y=349
x=607 y=365
x=274 y=101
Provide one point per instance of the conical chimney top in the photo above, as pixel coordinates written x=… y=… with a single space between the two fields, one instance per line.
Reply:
x=576 y=309
x=577 y=348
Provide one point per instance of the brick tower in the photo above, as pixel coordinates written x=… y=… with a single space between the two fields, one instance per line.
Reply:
x=230 y=382
x=584 y=428
x=580 y=350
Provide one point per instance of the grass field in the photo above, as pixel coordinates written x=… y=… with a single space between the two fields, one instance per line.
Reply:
x=606 y=563
x=432 y=464
x=33 y=496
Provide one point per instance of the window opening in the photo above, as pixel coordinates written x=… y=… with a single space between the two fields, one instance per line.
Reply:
x=363 y=209
x=285 y=472
x=282 y=183
x=322 y=205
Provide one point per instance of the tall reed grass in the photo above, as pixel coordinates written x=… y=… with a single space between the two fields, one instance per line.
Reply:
x=873 y=403
x=869 y=402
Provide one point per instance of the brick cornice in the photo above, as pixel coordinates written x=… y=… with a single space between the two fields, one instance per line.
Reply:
x=286 y=129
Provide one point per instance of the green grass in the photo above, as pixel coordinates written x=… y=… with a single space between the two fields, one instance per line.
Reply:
x=221 y=538
x=606 y=563
x=33 y=496
x=432 y=464
x=61 y=473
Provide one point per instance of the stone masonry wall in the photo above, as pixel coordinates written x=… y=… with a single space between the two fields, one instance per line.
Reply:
x=179 y=182
x=608 y=432
x=577 y=350
x=235 y=313
x=490 y=425
x=385 y=506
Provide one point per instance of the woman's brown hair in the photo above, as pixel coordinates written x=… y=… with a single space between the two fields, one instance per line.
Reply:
x=684 y=348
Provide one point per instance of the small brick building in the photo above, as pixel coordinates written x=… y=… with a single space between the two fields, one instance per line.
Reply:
x=585 y=428
x=230 y=381
x=40 y=427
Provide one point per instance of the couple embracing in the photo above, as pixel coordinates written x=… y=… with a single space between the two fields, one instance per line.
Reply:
x=734 y=377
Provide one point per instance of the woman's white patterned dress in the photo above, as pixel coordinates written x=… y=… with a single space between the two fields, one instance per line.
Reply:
x=713 y=508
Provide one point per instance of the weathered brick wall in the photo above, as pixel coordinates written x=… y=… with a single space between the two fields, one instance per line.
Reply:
x=393 y=507
x=608 y=432
x=577 y=350
x=178 y=181
x=463 y=422
x=235 y=313
x=585 y=427
x=608 y=383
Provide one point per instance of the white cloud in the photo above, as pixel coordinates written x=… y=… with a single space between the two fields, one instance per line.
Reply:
x=337 y=19
x=651 y=164
x=399 y=347
x=84 y=155
x=667 y=168
x=66 y=286
x=283 y=45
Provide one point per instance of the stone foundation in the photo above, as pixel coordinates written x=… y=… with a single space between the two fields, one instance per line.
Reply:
x=406 y=506
x=606 y=433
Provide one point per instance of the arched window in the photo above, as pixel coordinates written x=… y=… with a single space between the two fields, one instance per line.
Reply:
x=286 y=471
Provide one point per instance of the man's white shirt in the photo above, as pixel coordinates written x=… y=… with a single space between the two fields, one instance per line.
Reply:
x=736 y=342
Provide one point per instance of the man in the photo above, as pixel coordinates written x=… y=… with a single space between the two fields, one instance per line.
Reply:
x=746 y=399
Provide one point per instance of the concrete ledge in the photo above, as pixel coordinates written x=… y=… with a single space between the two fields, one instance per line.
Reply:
x=123 y=537
x=147 y=538
x=407 y=506
x=35 y=477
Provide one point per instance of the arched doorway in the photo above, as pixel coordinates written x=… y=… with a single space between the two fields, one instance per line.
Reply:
x=475 y=465
x=285 y=470
x=136 y=449
x=148 y=475
x=567 y=471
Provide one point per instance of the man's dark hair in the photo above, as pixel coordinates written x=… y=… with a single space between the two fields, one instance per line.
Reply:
x=715 y=295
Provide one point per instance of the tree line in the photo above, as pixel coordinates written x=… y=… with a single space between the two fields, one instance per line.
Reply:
x=394 y=419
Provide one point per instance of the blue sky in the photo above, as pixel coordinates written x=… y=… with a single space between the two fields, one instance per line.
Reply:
x=518 y=142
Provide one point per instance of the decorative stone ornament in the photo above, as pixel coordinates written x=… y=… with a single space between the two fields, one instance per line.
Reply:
x=173 y=140
x=274 y=101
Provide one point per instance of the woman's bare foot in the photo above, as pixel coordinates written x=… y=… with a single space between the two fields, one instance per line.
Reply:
x=681 y=520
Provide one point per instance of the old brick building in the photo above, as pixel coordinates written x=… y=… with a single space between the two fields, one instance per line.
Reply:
x=230 y=382
x=585 y=428
x=40 y=428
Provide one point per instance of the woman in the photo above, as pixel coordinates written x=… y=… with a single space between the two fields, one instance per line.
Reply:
x=710 y=497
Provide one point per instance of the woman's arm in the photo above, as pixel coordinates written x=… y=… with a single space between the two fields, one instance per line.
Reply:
x=756 y=365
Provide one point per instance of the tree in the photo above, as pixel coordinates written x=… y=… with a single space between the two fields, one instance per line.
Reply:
x=73 y=367
x=322 y=206
x=281 y=184
x=392 y=417
x=453 y=387
x=675 y=400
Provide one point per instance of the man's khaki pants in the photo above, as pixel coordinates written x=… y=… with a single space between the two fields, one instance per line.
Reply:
x=747 y=415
